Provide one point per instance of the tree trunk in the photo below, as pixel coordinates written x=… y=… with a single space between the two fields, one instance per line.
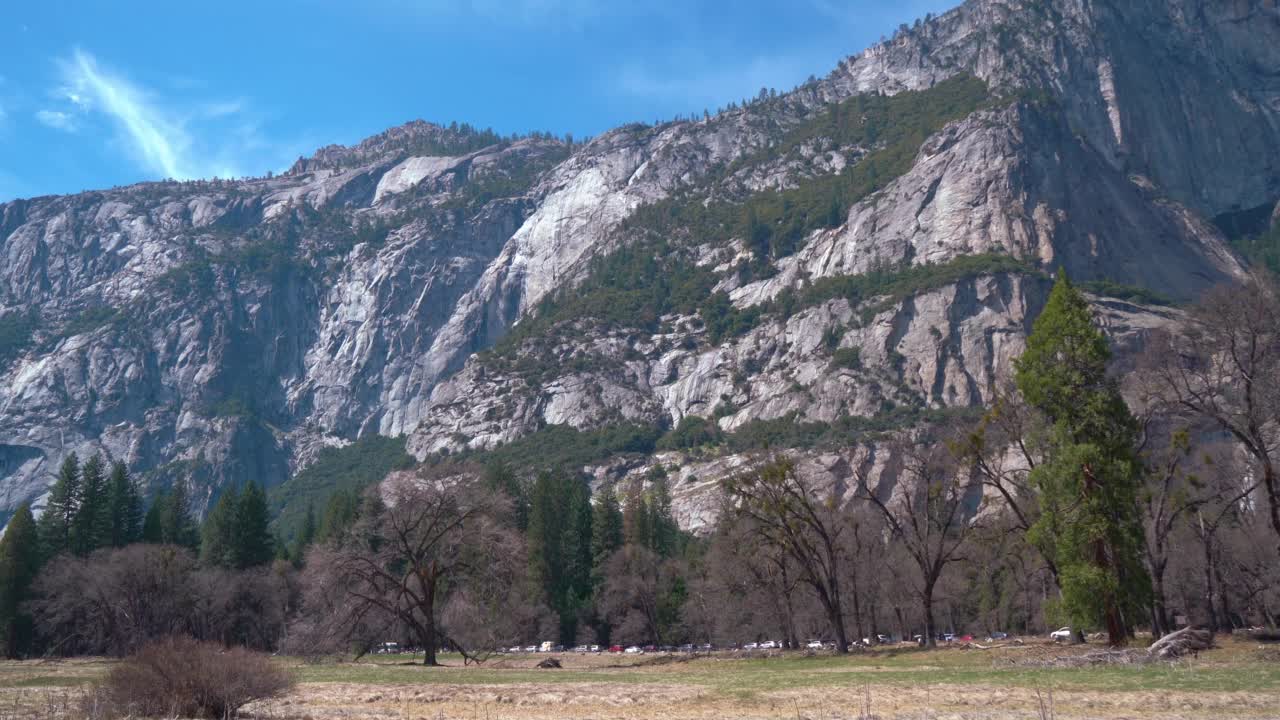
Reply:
x=1209 y=590
x=1272 y=485
x=929 y=625
x=429 y=635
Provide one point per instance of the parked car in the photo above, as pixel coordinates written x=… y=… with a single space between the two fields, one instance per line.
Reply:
x=751 y=646
x=814 y=645
x=581 y=649
x=1061 y=634
x=530 y=648
x=948 y=637
x=998 y=636
x=649 y=649
x=883 y=639
x=515 y=649
x=706 y=647
x=615 y=648
x=686 y=648
x=633 y=650
x=770 y=645
x=594 y=649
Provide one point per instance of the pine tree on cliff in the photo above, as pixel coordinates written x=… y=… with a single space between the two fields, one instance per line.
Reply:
x=1091 y=476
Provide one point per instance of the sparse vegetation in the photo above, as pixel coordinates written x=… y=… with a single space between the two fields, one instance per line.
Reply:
x=180 y=677
x=350 y=468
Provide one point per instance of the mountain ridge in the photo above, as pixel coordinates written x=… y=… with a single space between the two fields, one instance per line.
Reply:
x=230 y=328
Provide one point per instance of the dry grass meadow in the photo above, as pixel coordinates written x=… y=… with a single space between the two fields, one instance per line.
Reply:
x=1239 y=679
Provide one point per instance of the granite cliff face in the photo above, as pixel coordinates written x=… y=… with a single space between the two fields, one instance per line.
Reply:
x=228 y=329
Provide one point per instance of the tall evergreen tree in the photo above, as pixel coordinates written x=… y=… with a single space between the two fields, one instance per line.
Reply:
x=1090 y=478
x=560 y=545
x=606 y=533
x=58 y=519
x=91 y=525
x=169 y=519
x=499 y=476
x=125 y=503
x=20 y=559
x=252 y=542
x=217 y=534
x=339 y=513
x=637 y=528
x=306 y=536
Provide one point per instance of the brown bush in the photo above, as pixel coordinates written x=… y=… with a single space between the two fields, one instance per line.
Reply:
x=182 y=677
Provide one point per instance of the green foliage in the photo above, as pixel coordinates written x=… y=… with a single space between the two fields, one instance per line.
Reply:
x=656 y=274
x=1261 y=250
x=606 y=533
x=647 y=521
x=20 y=560
x=352 y=468
x=91 y=524
x=788 y=432
x=692 y=432
x=16 y=332
x=774 y=222
x=217 y=534
x=90 y=320
x=500 y=477
x=169 y=520
x=253 y=543
x=560 y=546
x=58 y=519
x=1131 y=293
x=1090 y=478
x=125 y=507
x=560 y=447
x=849 y=358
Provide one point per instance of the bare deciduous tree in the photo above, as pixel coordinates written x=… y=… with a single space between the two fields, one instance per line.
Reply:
x=804 y=523
x=926 y=513
x=422 y=538
x=1222 y=365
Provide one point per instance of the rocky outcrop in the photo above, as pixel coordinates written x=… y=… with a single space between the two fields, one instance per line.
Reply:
x=217 y=330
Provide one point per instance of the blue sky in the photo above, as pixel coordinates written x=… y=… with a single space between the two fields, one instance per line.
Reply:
x=110 y=92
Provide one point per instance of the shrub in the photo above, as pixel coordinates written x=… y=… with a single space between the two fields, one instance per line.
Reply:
x=849 y=358
x=182 y=677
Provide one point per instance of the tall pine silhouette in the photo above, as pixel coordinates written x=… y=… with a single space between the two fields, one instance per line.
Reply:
x=58 y=519
x=20 y=559
x=1091 y=476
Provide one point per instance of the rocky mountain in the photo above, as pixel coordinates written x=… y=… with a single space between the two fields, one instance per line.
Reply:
x=859 y=255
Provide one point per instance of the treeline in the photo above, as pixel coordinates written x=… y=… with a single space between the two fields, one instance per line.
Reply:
x=1062 y=504
x=96 y=574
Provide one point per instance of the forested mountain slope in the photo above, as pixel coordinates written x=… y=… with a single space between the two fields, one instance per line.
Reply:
x=857 y=255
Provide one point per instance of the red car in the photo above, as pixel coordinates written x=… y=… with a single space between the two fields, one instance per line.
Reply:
x=615 y=648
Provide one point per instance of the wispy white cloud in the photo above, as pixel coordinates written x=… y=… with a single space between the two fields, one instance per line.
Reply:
x=157 y=141
x=56 y=119
x=185 y=139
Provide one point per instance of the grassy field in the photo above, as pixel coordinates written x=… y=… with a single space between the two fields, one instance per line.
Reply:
x=1237 y=680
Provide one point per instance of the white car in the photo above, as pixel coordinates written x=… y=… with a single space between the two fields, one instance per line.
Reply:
x=770 y=645
x=751 y=646
x=633 y=650
x=594 y=649
x=814 y=644
x=1061 y=635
